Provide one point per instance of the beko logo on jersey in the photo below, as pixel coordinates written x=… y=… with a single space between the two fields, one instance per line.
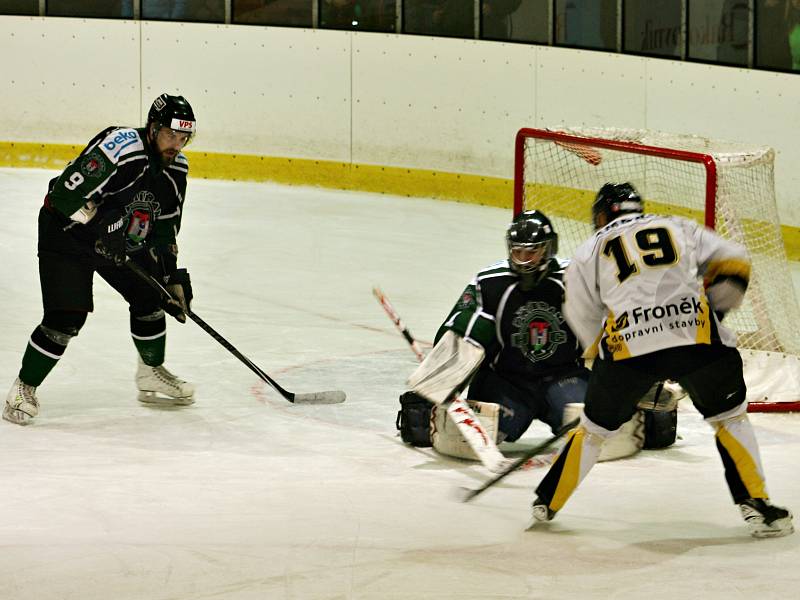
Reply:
x=120 y=139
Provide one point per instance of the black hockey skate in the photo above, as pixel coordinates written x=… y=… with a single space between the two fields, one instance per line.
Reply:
x=766 y=520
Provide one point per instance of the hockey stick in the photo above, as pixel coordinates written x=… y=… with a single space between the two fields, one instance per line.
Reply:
x=331 y=397
x=387 y=306
x=459 y=411
x=468 y=493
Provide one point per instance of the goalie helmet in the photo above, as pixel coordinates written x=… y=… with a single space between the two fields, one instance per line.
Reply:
x=532 y=242
x=614 y=200
x=174 y=112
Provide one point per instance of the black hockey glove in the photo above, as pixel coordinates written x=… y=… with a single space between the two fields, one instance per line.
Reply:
x=111 y=233
x=179 y=286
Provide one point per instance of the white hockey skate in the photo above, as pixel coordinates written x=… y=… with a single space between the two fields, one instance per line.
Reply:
x=157 y=386
x=766 y=520
x=540 y=513
x=21 y=403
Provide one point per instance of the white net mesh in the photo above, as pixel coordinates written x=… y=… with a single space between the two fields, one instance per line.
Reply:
x=561 y=177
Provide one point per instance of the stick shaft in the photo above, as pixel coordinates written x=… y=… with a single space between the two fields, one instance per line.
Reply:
x=387 y=306
x=458 y=410
x=523 y=459
x=165 y=295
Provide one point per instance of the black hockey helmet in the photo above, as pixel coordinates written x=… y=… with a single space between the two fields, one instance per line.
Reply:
x=174 y=112
x=532 y=242
x=614 y=200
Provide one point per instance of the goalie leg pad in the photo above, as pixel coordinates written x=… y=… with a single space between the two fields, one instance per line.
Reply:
x=414 y=420
x=446 y=437
x=660 y=428
x=447 y=367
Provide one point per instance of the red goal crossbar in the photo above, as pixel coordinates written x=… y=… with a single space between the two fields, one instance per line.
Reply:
x=567 y=141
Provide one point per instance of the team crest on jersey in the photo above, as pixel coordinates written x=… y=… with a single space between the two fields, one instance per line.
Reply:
x=93 y=165
x=142 y=214
x=467 y=299
x=539 y=332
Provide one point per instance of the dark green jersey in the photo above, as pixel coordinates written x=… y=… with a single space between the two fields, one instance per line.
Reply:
x=523 y=332
x=119 y=170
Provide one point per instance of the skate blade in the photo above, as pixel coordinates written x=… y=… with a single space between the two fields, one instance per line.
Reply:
x=778 y=528
x=153 y=399
x=16 y=416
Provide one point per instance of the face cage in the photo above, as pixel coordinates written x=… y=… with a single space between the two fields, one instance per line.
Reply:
x=533 y=265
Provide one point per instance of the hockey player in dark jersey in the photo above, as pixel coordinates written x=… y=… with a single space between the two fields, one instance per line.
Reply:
x=530 y=364
x=121 y=199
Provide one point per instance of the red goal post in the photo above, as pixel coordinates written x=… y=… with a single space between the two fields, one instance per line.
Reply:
x=727 y=186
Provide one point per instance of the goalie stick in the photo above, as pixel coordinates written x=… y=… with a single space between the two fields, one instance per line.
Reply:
x=459 y=411
x=330 y=397
x=468 y=494
x=387 y=306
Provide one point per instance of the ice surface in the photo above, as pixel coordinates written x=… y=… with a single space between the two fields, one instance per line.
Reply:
x=246 y=496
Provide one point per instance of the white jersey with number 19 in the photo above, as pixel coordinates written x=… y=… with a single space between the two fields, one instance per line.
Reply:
x=638 y=286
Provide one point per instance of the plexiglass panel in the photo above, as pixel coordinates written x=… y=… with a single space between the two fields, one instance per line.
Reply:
x=652 y=27
x=516 y=20
x=718 y=31
x=363 y=15
x=778 y=34
x=109 y=9
x=273 y=12
x=212 y=11
x=453 y=18
x=586 y=24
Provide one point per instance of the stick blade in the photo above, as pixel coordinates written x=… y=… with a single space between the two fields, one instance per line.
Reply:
x=330 y=397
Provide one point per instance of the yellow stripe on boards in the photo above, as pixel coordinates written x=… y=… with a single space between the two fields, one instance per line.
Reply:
x=473 y=189
x=745 y=465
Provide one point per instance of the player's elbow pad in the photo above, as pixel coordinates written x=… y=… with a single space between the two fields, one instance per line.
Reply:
x=726 y=293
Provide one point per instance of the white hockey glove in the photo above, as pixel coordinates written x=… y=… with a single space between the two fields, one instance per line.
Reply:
x=451 y=362
x=726 y=294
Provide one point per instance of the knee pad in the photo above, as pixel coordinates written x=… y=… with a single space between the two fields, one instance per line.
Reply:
x=446 y=437
x=60 y=326
x=414 y=420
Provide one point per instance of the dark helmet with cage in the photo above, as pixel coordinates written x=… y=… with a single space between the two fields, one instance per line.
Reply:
x=174 y=112
x=614 y=200
x=532 y=243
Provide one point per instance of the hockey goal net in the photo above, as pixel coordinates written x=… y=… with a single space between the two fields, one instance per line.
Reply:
x=728 y=187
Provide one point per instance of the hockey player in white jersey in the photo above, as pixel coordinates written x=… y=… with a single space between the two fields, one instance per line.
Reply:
x=649 y=292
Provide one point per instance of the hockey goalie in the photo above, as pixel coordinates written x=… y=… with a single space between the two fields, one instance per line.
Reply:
x=506 y=341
